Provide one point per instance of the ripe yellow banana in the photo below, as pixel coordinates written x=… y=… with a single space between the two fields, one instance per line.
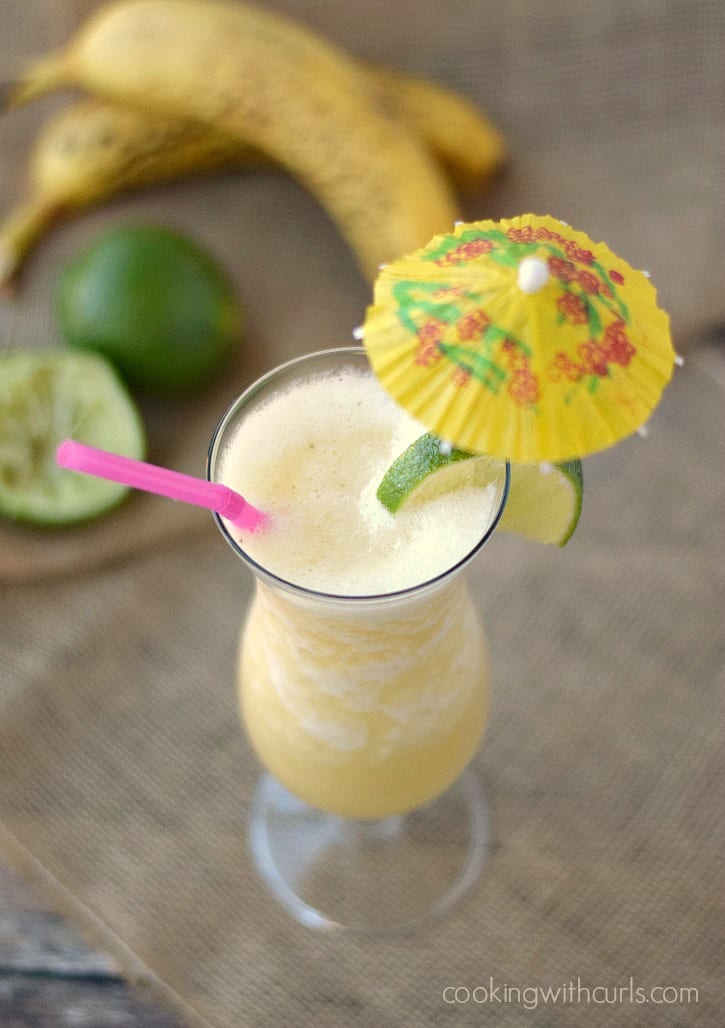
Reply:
x=271 y=84
x=95 y=148
x=461 y=137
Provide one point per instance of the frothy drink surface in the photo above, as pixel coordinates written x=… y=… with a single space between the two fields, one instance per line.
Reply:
x=314 y=455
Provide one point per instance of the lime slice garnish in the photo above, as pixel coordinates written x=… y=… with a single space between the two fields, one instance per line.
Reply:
x=544 y=501
x=45 y=398
x=423 y=472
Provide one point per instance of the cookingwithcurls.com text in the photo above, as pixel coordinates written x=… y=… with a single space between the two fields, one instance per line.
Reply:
x=570 y=993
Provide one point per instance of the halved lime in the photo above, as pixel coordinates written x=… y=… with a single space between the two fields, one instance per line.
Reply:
x=46 y=397
x=544 y=501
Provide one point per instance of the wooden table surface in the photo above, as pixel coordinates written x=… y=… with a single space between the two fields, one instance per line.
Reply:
x=51 y=978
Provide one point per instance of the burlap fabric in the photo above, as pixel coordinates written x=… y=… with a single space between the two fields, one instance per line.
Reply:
x=124 y=778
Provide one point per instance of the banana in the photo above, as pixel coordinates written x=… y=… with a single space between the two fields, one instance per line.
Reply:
x=93 y=149
x=463 y=139
x=96 y=148
x=272 y=84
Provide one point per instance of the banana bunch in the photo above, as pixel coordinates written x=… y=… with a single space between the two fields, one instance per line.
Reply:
x=187 y=86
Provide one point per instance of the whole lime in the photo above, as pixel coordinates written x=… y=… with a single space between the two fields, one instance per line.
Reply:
x=153 y=302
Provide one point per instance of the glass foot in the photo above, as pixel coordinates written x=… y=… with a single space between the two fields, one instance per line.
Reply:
x=335 y=874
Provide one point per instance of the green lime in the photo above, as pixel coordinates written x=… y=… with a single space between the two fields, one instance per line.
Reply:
x=48 y=397
x=544 y=501
x=154 y=303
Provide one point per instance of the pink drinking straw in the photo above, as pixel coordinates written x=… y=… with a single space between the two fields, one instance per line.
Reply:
x=152 y=479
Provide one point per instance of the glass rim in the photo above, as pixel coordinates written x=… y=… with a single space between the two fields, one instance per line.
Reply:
x=272 y=577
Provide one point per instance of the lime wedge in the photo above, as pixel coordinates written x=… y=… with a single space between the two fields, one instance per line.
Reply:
x=423 y=472
x=46 y=397
x=544 y=501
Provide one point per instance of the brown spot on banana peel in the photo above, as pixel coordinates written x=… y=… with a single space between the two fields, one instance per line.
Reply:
x=271 y=83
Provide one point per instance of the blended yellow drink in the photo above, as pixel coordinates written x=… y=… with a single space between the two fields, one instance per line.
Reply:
x=363 y=670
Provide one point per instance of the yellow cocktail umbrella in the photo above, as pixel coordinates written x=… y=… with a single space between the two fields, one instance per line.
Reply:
x=520 y=338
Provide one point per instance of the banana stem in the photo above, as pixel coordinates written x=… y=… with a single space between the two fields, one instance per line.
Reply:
x=20 y=231
x=7 y=94
x=42 y=76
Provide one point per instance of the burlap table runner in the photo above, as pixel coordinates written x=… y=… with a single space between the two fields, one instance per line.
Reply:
x=124 y=778
x=124 y=773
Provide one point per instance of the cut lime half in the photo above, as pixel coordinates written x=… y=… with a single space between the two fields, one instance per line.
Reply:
x=46 y=397
x=544 y=501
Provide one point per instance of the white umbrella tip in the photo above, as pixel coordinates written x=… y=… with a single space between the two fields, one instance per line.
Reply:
x=533 y=274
